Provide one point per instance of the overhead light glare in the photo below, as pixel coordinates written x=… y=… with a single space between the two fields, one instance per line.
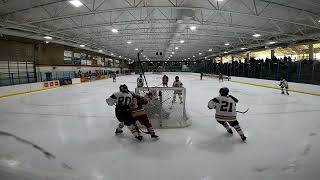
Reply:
x=181 y=41
x=129 y=42
x=76 y=3
x=82 y=45
x=114 y=30
x=176 y=48
x=227 y=44
x=256 y=35
x=136 y=49
x=200 y=53
x=193 y=28
x=48 y=37
x=272 y=42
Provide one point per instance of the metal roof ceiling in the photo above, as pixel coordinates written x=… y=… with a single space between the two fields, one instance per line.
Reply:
x=159 y=25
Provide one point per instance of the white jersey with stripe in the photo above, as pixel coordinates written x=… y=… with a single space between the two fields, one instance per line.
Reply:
x=225 y=107
x=140 y=82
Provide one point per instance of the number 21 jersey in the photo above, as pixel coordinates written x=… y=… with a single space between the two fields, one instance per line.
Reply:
x=225 y=107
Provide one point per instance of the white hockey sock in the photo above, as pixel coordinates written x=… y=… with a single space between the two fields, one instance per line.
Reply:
x=133 y=130
x=239 y=130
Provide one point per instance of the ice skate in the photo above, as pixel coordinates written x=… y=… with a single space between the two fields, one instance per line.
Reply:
x=140 y=138
x=243 y=137
x=154 y=136
x=118 y=131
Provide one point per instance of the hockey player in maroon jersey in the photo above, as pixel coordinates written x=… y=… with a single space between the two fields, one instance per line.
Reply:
x=139 y=114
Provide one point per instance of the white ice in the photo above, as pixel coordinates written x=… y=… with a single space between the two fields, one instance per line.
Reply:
x=75 y=124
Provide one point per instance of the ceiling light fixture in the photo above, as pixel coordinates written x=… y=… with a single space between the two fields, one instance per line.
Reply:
x=243 y=48
x=114 y=30
x=227 y=44
x=193 y=56
x=193 y=28
x=111 y=54
x=210 y=50
x=47 y=37
x=47 y=42
x=82 y=45
x=272 y=42
x=100 y=51
x=200 y=53
x=181 y=41
x=176 y=48
x=76 y=3
x=129 y=42
x=225 y=52
x=120 y=56
x=256 y=35
x=136 y=49
x=172 y=52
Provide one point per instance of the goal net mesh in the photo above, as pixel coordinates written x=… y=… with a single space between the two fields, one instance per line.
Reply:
x=162 y=110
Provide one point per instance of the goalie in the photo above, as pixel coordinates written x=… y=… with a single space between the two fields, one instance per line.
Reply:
x=178 y=84
x=154 y=107
x=140 y=115
x=226 y=114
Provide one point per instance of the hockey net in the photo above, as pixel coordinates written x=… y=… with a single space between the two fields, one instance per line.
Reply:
x=162 y=111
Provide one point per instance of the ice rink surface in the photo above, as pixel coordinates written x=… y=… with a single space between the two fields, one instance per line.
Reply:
x=75 y=124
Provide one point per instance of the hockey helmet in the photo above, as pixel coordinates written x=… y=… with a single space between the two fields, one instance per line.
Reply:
x=177 y=78
x=124 y=88
x=224 y=91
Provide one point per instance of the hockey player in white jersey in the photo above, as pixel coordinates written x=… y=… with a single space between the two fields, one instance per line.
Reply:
x=140 y=81
x=122 y=100
x=226 y=114
x=177 y=83
x=284 y=85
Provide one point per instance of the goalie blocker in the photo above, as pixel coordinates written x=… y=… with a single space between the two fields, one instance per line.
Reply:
x=161 y=111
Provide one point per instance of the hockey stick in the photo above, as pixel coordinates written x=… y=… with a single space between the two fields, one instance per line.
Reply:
x=243 y=112
x=142 y=68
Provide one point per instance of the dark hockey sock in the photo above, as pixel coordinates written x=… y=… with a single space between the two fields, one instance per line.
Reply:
x=225 y=125
x=239 y=130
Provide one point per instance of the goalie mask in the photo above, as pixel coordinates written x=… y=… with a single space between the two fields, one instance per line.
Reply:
x=224 y=91
x=124 y=88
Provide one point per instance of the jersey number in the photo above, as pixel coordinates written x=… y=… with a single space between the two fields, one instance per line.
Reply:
x=124 y=101
x=224 y=106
